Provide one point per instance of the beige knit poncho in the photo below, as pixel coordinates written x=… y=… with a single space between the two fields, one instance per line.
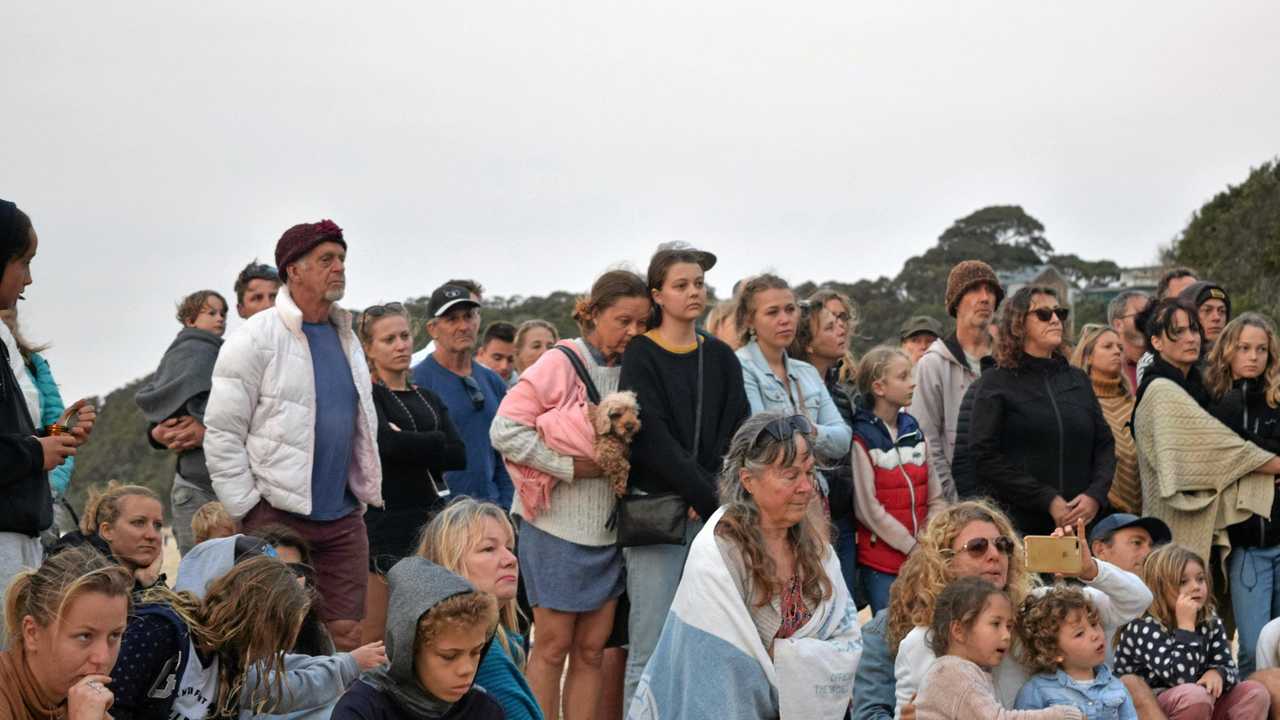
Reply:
x=1197 y=475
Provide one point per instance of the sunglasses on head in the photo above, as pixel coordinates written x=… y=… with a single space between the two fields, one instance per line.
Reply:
x=474 y=392
x=977 y=547
x=1046 y=314
x=783 y=428
x=373 y=312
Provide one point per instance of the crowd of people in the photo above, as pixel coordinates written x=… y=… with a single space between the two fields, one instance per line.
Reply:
x=679 y=513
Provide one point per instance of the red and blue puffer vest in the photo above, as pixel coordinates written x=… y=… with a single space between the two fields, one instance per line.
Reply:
x=901 y=476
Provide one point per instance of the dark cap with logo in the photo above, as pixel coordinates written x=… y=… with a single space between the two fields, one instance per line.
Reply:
x=447 y=297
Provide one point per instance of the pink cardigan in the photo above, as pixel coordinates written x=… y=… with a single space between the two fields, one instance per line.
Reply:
x=550 y=398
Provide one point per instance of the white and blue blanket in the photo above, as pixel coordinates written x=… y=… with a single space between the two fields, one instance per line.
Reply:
x=710 y=661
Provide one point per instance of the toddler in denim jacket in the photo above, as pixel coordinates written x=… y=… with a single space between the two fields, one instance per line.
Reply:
x=1064 y=644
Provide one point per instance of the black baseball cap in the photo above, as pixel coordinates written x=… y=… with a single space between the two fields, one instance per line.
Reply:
x=447 y=297
x=1109 y=525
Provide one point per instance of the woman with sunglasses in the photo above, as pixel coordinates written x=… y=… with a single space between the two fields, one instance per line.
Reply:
x=1039 y=441
x=969 y=539
x=1100 y=354
x=762 y=624
x=417 y=443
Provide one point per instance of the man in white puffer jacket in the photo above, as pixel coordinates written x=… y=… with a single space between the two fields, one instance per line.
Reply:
x=292 y=432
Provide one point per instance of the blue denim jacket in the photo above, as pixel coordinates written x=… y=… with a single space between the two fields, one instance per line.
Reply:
x=874 y=684
x=1105 y=699
x=766 y=392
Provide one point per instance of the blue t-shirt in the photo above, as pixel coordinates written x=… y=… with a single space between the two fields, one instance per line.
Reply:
x=336 y=407
x=472 y=403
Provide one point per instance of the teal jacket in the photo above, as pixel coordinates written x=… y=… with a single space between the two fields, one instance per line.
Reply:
x=51 y=409
x=501 y=678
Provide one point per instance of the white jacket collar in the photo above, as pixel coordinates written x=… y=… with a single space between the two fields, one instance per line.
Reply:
x=291 y=314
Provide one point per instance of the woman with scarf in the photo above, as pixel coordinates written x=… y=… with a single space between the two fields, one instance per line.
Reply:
x=27 y=453
x=65 y=619
x=174 y=399
x=438 y=628
x=1198 y=476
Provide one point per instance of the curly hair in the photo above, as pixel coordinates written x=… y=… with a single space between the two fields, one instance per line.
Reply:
x=189 y=307
x=927 y=570
x=746 y=296
x=1162 y=572
x=1039 y=619
x=753 y=450
x=460 y=612
x=960 y=602
x=1010 y=349
x=1218 y=376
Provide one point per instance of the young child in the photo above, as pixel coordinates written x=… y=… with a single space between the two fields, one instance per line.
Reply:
x=211 y=521
x=1063 y=641
x=1180 y=647
x=895 y=493
x=970 y=633
x=438 y=628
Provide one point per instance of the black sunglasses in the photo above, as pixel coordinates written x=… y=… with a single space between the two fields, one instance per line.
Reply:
x=474 y=392
x=783 y=428
x=977 y=547
x=1046 y=314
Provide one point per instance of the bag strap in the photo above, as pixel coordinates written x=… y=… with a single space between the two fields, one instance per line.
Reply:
x=697 y=419
x=592 y=393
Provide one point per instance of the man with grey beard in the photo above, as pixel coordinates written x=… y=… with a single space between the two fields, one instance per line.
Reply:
x=292 y=430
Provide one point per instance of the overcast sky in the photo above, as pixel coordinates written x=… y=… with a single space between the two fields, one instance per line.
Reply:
x=159 y=146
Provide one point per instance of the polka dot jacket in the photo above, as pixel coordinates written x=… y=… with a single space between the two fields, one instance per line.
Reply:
x=1164 y=659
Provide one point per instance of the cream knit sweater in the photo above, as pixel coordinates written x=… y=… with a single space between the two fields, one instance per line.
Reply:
x=1197 y=475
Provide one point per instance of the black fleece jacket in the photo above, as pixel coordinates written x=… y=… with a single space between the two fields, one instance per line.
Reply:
x=1038 y=432
x=28 y=501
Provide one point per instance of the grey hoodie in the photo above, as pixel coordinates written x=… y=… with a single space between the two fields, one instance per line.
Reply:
x=417 y=585
x=941 y=379
x=312 y=685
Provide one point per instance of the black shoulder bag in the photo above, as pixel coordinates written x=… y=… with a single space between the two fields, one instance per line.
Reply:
x=659 y=518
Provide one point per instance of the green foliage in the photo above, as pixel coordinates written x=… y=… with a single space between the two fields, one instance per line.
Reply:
x=1234 y=240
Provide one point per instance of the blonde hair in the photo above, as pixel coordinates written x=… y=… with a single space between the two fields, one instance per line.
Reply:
x=103 y=506
x=46 y=592
x=523 y=330
x=874 y=366
x=1162 y=572
x=459 y=612
x=745 y=311
x=1218 y=376
x=210 y=515
x=927 y=570
x=249 y=618
x=721 y=312
x=452 y=534
x=1082 y=356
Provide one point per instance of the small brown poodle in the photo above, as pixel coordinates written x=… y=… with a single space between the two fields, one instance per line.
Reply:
x=616 y=421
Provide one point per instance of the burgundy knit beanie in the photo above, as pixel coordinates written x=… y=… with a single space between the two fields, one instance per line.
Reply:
x=301 y=239
x=967 y=275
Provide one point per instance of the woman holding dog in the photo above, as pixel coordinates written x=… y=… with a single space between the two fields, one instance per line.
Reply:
x=572 y=566
x=417 y=443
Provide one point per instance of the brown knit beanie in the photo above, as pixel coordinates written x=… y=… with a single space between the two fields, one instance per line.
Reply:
x=301 y=239
x=964 y=277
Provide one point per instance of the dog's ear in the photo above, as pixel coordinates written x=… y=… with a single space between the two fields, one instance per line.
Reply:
x=600 y=420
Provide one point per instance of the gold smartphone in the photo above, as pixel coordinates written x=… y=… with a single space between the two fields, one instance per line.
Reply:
x=1047 y=554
